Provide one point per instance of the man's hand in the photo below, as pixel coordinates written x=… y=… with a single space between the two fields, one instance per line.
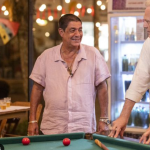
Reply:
x=145 y=139
x=33 y=129
x=118 y=127
x=103 y=128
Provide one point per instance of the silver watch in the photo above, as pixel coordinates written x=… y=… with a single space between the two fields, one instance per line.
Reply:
x=107 y=121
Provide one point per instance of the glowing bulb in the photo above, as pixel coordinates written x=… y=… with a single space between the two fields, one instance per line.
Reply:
x=6 y=13
x=59 y=7
x=76 y=13
x=103 y=7
x=100 y=28
x=3 y=8
x=41 y=22
x=79 y=5
x=67 y=1
x=43 y=6
x=99 y=3
x=89 y=10
x=47 y=34
x=38 y=20
x=50 y=18
x=41 y=9
x=97 y=24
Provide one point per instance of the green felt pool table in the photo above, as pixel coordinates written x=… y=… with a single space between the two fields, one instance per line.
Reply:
x=53 y=142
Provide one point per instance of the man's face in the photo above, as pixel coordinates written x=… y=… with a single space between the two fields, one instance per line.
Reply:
x=147 y=20
x=72 y=35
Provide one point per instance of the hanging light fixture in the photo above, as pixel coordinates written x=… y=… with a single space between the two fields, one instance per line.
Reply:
x=41 y=22
x=6 y=13
x=99 y=3
x=79 y=6
x=47 y=34
x=76 y=13
x=89 y=10
x=67 y=1
x=59 y=7
x=50 y=18
x=42 y=7
x=3 y=8
x=97 y=24
x=103 y=7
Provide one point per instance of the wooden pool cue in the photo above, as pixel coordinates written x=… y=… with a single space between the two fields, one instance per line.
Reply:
x=101 y=145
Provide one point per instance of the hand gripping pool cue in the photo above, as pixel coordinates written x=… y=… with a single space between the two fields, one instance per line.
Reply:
x=101 y=145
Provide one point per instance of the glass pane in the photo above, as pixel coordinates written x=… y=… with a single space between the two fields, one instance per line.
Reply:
x=14 y=50
x=127 y=38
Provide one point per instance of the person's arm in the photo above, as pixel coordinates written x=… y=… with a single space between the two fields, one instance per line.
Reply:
x=102 y=95
x=119 y=125
x=35 y=99
x=145 y=137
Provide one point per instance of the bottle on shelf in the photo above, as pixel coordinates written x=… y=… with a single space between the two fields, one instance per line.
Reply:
x=132 y=35
x=133 y=116
x=127 y=35
x=137 y=117
x=124 y=63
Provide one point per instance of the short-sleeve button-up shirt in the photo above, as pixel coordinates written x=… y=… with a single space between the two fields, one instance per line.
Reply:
x=141 y=78
x=69 y=99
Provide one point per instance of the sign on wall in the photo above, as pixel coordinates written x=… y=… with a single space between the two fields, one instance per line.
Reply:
x=128 y=4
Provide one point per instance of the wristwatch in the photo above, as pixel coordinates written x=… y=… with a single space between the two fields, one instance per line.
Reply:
x=107 y=121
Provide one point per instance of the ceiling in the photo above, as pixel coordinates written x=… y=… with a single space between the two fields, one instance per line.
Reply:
x=52 y=4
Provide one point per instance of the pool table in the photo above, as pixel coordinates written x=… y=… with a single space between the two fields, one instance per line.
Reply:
x=78 y=142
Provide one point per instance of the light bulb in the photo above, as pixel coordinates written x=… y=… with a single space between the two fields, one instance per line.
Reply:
x=89 y=10
x=97 y=24
x=76 y=13
x=47 y=34
x=50 y=18
x=103 y=7
x=79 y=5
x=99 y=3
x=6 y=13
x=3 y=8
x=67 y=1
x=59 y=7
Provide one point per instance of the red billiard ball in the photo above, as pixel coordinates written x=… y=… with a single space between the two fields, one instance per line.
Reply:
x=66 y=141
x=25 y=141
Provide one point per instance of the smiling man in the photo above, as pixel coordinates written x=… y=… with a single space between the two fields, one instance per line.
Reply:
x=139 y=85
x=69 y=76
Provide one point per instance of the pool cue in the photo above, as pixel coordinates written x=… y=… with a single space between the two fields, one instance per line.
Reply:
x=101 y=145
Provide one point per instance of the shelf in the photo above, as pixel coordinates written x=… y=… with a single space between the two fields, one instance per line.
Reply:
x=127 y=72
x=135 y=129
x=126 y=42
x=141 y=102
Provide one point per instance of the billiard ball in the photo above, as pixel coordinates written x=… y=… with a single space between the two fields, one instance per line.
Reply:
x=25 y=141
x=66 y=141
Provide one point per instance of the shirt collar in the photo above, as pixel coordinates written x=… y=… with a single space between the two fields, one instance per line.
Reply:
x=81 y=54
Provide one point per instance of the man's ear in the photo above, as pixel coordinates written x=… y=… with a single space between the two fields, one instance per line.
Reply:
x=61 y=32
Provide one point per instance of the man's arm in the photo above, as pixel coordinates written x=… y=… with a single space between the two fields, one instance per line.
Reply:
x=35 y=99
x=145 y=139
x=102 y=95
x=119 y=125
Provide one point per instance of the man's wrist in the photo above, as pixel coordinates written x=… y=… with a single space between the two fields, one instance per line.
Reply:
x=105 y=120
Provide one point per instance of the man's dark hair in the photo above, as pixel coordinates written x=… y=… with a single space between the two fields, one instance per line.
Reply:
x=65 y=19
